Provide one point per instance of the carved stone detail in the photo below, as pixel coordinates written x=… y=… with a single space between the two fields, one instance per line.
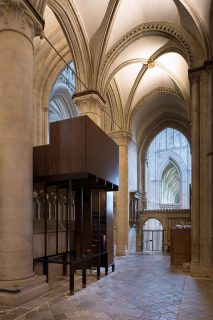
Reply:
x=14 y=15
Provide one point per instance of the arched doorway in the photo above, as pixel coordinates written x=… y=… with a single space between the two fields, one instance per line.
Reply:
x=152 y=235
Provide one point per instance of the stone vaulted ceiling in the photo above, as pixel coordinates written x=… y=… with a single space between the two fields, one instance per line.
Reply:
x=136 y=53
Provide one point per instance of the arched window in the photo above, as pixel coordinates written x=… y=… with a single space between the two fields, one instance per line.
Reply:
x=168 y=171
x=170 y=185
x=61 y=105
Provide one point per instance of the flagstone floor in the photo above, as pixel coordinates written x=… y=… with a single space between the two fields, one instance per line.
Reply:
x=143 y=286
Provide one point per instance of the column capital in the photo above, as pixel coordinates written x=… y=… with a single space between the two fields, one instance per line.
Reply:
x=90 y=103
x=20 y=16
x=121 y=137
x=87 y=99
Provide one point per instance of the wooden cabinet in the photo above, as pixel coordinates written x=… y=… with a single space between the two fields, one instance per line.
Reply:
x=180 y=245
x=82 y=161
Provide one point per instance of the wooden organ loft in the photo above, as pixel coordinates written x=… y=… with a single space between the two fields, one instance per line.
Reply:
x=74 y=177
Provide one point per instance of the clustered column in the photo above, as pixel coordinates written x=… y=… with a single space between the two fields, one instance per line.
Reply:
x=18 y=26
x=202 y=170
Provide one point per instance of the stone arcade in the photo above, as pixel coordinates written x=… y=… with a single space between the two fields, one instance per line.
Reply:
x=139 y=67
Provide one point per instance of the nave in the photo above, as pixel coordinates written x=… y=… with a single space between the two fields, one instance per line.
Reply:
x=143 y=286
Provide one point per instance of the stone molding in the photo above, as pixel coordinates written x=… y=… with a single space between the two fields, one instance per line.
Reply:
x=15 y=16
x=170 y=210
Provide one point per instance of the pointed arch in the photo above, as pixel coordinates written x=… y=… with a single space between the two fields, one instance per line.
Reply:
x=170 y=185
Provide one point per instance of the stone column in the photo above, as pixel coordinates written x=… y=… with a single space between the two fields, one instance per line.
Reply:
x=202 y=170
x=18 y=26
x=122 y=138
x=92 y=104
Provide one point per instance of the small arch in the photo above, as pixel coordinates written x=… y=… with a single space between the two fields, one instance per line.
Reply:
x=152 y=235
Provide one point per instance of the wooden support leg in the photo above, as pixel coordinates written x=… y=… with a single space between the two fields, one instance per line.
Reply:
x=113 y=267
x=98 y=272
x=106 y=270
x=72 y=284
x=65 y=264
x=45 y=270
x=84 y=278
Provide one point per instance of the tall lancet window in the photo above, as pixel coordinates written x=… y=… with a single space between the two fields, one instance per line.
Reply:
x=170 y=185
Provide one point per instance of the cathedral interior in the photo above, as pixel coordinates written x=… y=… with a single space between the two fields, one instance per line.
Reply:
x=106 y=159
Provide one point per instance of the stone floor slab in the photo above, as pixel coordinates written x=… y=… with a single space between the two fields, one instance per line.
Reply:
x=143 y=287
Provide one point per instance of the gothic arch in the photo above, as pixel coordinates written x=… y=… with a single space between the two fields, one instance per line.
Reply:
x=161 y=123
x=176 y=160
x=45 y=75
x=165 y=121
x=181 y=168
x=171 y=185
x=147 y=97
x=76 y=39
x=178 y=176
x=61 y=99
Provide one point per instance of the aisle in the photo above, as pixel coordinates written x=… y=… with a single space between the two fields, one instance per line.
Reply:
x=142 y=287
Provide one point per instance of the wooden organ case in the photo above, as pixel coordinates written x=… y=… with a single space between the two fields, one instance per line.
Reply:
x=74 y=177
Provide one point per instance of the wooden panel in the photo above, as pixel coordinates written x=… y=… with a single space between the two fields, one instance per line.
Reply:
x=102 y=154
x=68 y=146
x=180 y=246
x=77 y=146
x=40 y=160
x=65 y=153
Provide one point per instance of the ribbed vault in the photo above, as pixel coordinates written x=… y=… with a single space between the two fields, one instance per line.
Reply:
x=127 y=52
